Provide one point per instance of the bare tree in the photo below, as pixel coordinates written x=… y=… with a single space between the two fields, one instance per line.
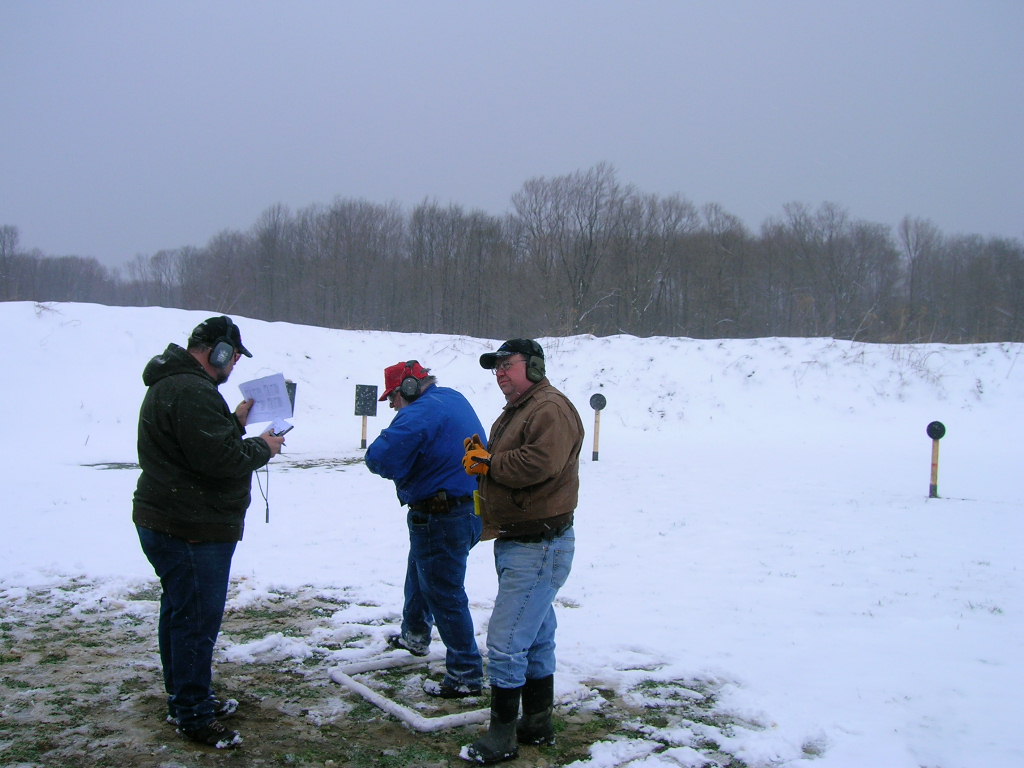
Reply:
x=579 y=253
x=569 y=225
x=921 y=244
x=8 y=255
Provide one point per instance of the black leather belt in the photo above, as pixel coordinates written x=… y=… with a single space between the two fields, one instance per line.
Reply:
x=537 y=538
x=439 y=503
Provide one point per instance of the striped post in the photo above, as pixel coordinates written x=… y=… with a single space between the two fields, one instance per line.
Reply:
x=597 y=402
x=936 y=430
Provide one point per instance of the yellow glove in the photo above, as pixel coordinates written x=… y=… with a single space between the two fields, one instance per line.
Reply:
x=477 y=460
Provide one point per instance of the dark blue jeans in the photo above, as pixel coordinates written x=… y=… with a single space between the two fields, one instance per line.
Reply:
x=435 y=589
x=194 y=580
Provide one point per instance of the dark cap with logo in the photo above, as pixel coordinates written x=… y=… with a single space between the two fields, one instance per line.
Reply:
x=527 y=347
x=217 y=329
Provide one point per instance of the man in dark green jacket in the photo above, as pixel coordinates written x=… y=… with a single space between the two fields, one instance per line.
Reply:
x=189 y=509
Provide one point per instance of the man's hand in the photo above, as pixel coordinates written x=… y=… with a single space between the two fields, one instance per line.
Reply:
x=273 y=441
x=477 y=460
x=242 y=411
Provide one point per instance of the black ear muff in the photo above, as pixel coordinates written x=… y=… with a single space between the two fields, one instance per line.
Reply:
x=223 y=351
x=410 y=386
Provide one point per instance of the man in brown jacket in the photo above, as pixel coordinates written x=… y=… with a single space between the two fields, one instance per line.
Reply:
x=529 y=484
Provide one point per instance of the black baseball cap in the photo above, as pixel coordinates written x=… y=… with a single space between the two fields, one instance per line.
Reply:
x=527 y=347
x=215 y=329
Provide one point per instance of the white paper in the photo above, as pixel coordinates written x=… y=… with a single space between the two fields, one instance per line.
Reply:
x=280 y=427
x=270 y=396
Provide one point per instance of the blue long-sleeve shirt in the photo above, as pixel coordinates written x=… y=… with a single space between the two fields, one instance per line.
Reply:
x=422 y=448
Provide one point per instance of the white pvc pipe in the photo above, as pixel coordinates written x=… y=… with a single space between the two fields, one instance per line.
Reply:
x=343 y=676
x=414 y=720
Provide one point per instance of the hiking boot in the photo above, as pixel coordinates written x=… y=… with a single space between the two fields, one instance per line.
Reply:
x=399 y=644
x=499 y=743
x=446 y=690
x=213 y=734
x=222 y=709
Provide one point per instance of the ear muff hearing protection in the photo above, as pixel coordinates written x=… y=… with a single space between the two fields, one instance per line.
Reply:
x=534 y=368
x=410 y=386
x=223 y=351
x=534 y=362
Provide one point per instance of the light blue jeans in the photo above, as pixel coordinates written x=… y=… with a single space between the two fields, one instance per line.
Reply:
x=521 y=633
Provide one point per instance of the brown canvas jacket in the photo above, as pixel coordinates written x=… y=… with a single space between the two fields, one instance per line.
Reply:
x=533 y=482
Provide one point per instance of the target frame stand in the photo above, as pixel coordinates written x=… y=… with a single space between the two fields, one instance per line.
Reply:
x=344 y=676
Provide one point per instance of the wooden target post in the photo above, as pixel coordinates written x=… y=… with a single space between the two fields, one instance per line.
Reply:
x=597 y=402
x=366 y=405
x=936 y=431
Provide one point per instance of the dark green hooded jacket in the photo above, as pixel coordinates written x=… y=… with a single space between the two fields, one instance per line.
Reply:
x=196 y=465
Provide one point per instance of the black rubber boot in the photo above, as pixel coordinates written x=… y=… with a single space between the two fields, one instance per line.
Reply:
x=536 y=727
x=499 y=743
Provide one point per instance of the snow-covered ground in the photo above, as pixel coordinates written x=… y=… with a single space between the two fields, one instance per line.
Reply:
x=758 y=515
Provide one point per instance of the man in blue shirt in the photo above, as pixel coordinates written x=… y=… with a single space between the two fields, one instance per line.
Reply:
x=421 y=451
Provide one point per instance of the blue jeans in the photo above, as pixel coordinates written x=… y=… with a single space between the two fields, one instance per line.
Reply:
x=194 y=581
x=435 y=589
x=521 y=633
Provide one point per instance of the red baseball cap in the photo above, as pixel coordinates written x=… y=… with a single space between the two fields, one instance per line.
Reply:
x=395 y=374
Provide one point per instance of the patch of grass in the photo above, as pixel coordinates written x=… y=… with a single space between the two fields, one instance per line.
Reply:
x=133 y=685
x=346 y=461
x=813 y=748
x=335 y=601
x=15 y=683
x=62 y=700
x=108 y=708
x=256 y=622
x=401 y=757
x=25 y=750
x=149 y=593
x=364 y=710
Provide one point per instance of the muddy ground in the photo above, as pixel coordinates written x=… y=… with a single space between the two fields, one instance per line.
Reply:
x=80 y=686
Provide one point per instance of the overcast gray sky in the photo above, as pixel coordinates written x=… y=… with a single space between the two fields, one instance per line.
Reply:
x=129 y=127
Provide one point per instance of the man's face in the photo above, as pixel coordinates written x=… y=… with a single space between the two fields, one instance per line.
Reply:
x=511 y=376
x=396 y=401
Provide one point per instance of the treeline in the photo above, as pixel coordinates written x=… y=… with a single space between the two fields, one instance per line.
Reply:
x=580 y=253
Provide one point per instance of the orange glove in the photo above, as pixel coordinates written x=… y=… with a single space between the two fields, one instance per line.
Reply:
x=477 y=460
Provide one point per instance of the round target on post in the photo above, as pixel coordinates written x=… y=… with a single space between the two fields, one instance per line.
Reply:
x=597 y=402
